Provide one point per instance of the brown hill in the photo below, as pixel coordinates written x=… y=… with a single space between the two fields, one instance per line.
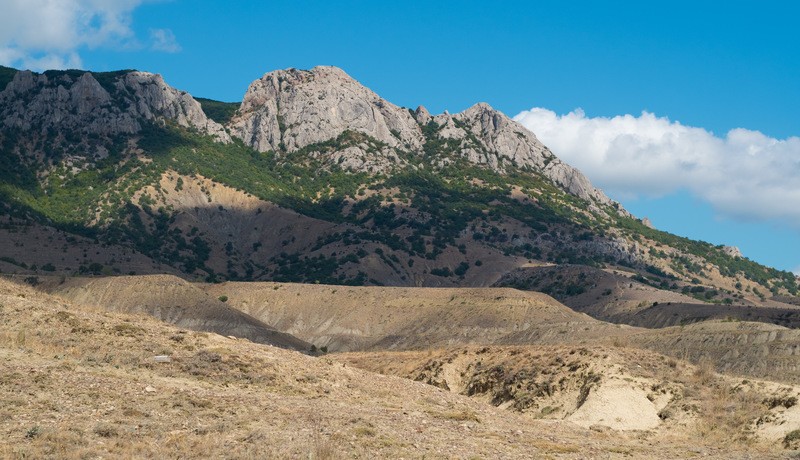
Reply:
x=629 y=298
x=358 y=318
x=172 y=300
x=734 y=347
x=252 y=238
x=27 y=247
x=343 y=318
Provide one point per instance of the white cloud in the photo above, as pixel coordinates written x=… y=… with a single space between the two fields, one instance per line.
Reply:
x=43 y=34
x=745 y=175
x=164 y=40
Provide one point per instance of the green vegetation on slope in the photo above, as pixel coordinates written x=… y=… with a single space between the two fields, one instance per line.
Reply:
x=728 y=265
x=221 y=112
x=6 y=75
x=415 y=210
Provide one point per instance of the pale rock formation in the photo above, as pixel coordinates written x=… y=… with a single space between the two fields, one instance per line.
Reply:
x=504 y=142
x=155 y=99
x=422 y=115
x=732 y=251
x=287 y=110
x=290 y=109
x=69 y=104
x=359 y=158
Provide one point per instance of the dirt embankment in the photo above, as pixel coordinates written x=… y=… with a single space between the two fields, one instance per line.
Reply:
x=604 y=388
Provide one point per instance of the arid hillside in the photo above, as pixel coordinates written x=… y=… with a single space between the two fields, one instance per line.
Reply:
x=81 y=382
x=172 y=300
x=604 y=388
x=735 y=347
x=624 y=296
x=358 y=318
x=323 y=318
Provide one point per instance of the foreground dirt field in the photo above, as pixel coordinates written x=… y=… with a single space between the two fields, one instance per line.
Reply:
x=77 y=381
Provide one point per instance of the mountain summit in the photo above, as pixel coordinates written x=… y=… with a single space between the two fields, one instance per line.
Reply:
x=116 y=104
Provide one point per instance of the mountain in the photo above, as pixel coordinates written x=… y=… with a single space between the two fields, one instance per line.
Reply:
x=316 y=191
x=315 y=178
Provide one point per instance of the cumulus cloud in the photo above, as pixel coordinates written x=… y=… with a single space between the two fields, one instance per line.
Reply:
x=745 y=175
x=43 y=34
x=164 y=40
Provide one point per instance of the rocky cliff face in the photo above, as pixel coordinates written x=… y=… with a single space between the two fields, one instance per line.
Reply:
x=287 y=110
x=489 y=137
x=76 y=102
x=290 y=109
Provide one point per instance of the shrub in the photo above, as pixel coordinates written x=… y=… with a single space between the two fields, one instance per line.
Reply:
x=792 y=439
x=33 y=432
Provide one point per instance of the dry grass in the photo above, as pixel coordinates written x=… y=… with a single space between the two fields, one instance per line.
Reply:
x=83 y=383
x=75 y=385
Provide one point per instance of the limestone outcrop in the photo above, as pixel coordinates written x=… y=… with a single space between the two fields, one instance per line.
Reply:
x=290 y=109
x=77 y=103
x=502 y=142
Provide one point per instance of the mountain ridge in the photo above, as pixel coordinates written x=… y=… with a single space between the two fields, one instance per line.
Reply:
x=382 y=194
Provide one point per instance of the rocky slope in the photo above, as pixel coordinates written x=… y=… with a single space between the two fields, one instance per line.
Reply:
x=76 y=103
x=488 y=137
x=287 y=110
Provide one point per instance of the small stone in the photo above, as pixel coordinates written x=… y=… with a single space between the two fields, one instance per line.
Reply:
x=149 y=389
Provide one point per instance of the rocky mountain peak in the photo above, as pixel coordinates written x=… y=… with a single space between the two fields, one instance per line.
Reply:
x=490 y=137
x=286 y=110
x=290 y=109
x=154 y=98
x=422 y=115
x=105 y=104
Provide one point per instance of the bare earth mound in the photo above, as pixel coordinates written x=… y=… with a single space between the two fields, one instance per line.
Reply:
x=173 y=300
x=344 y=318
x=742 y=348
x=604 y=388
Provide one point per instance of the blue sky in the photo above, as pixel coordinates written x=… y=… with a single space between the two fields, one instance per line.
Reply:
x=698 y=70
